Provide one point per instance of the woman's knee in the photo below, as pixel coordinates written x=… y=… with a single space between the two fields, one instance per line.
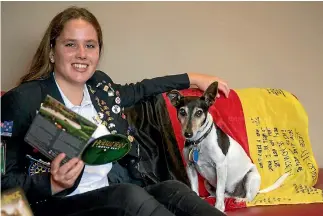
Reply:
x=175 y=185
x=137 y=201
x=132 y=192
x=168 y=189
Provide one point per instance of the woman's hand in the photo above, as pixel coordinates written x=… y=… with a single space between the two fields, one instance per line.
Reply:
x=203 y=81
x=63 y=177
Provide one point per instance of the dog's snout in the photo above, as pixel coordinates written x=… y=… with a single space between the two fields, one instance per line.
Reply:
x=188 y=134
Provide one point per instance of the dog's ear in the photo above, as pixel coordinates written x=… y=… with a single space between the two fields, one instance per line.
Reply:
x=210 y=93
x=174 y=97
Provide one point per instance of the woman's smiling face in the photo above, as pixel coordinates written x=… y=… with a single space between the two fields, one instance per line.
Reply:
x=76 y=53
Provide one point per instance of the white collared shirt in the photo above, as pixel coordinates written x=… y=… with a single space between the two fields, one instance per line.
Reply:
x=94 y=177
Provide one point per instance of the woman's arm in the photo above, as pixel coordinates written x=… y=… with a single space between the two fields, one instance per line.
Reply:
x=19 y=106
x=37 y=186
x=134 y=92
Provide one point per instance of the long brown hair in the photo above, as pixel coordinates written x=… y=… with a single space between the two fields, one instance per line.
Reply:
x=41 y=66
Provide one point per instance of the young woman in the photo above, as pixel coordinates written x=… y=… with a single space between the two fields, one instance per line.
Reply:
x=64 y=67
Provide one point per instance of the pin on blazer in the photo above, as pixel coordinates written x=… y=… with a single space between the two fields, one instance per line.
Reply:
x=220 y=160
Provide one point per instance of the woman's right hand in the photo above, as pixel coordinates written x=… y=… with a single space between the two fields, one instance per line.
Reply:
x=63 y=177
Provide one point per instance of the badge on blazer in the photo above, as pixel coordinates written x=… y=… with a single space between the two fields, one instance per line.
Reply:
x=91 y=90
x=116 y=109
x=98 y=84
x=111 y=125
x=130 y=130
x=118 y=93
x=117 y=100
x=123 y=116
x=35 y=150
x=105 y=88
x=110 y=86
x=97 y=100
x=97 y=120
x=110 y=93
x=130 y=138
x=100 y=115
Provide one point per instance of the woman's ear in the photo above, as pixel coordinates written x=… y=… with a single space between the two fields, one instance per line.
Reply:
x=51 y=56
x=210 y=93
x=174 y=97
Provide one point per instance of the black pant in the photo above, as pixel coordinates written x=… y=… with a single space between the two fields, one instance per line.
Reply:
x=162 y=199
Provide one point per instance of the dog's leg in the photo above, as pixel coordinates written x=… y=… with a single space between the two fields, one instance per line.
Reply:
x=252 y=184
x=221 y=172
x=209 y=188
x=192 y=176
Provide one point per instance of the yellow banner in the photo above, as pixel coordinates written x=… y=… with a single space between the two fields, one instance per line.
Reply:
x=277 y=129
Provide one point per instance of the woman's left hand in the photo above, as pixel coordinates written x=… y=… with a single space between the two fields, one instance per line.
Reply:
x=202 y=81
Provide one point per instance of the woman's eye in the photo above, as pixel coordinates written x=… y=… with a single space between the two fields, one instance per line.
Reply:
x=182 y=112
x=199 y=113
x=90 y=46
x=69 y=45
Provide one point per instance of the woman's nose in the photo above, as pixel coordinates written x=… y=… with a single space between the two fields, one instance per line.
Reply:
x=81 y=52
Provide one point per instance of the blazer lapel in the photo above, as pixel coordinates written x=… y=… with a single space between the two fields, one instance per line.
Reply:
x=106 y=101
x=98 y=98
x=102 y=103
x=49 y=87
x=99 y=102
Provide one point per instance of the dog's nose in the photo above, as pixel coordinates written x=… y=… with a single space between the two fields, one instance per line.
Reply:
x=188 y=134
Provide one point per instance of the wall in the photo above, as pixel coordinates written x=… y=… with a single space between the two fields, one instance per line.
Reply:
x=249 y=44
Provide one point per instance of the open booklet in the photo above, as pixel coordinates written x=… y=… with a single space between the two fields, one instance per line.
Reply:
x=57 y=129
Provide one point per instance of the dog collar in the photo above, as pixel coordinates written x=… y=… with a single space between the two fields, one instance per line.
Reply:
x=195 y=142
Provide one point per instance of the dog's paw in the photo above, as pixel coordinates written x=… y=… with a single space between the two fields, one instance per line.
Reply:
x=220 y=206
x=239 y=199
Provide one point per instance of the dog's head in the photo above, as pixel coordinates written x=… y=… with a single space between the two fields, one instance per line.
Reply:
x=192 y=110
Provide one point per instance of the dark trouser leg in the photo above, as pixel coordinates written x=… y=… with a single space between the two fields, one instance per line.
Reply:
x=119 y=174
x=181 y=200
x=121 y=199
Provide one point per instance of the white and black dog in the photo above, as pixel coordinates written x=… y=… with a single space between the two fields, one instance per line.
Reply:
x=220 y=160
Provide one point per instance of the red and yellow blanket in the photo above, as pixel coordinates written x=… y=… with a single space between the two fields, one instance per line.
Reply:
x=272 y=127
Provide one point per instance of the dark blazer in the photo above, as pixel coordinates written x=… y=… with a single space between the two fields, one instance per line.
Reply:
x=23 y=165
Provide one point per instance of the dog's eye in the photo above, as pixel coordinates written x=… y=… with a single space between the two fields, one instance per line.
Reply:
x=199 y=113
x=182 y=112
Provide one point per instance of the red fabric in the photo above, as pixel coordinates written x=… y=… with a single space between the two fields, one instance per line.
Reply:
x=228 y=115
